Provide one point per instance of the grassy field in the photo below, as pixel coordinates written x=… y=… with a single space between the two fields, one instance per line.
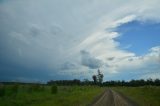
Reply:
x=144 y=96
x=40 y=95
x=28 y=95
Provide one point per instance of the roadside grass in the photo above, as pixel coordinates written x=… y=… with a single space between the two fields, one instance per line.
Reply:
x=29 y=95
x=144 y=96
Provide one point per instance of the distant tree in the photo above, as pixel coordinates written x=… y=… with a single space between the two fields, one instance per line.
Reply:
x=157 y=82
x=149 y=81
x=85 y=80
x=123 y=83
x=94 y=78
x=76 y=82
x=100 y=77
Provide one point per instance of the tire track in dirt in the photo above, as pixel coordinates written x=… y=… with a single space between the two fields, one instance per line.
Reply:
x=113 y=98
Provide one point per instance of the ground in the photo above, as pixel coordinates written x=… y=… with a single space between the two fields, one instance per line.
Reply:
x=33 y=95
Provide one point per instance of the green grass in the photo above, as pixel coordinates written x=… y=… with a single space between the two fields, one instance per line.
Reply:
x=144 y=96
x=66 y=96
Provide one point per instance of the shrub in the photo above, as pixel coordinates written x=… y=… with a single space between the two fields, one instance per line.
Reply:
x=2 y=91
x=54 y=89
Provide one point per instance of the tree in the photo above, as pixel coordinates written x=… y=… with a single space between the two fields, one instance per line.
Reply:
x=94 y=78
x=100 y=76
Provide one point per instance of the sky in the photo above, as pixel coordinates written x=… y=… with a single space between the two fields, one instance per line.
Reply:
x=43 y=40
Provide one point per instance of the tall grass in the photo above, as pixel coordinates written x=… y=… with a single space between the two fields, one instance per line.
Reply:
x=14 y=89
x=144 y=96
x=63 y=95
x=2 y=91
x=54 y=89
x=36 y=88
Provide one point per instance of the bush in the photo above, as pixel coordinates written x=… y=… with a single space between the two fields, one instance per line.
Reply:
x=54 y=89
x=2 y=91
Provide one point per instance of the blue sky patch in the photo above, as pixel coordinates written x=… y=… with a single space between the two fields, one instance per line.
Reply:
x=139 y=37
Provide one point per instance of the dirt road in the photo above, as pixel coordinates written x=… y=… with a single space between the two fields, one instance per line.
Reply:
x=113 y=98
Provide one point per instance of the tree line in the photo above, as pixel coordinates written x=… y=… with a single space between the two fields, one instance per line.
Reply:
x=140 y=82
x=98 y=80
x=132 y=83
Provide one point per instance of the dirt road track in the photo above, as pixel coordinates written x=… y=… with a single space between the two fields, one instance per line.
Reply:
x=113 y=98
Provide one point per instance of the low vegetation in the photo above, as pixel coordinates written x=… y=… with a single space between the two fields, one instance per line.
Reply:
x=54 y=89
x=2 y=91
x=144 y=96
x=76 y=92
x=47 y=95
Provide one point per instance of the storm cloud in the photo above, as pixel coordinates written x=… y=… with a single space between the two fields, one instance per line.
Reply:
x=90 y=61
x=40 y=39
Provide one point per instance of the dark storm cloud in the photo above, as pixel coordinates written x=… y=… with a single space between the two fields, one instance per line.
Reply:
x=90 y=61
x=68 y=65
x=41 y=38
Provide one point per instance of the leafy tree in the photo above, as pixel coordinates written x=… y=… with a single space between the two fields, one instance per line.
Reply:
x=94 y=79
x=98 y=78
x=157 y=82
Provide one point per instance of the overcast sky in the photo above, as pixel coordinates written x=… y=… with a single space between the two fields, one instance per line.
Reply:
x=42 y=40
